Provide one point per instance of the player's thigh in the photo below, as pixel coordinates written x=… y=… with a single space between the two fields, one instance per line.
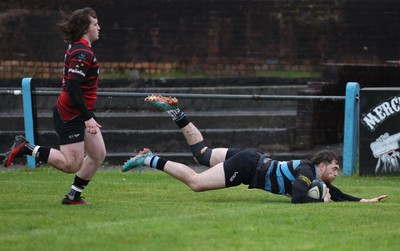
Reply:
x=218 y=155
x=94 y=145
x=213 y=178
x=74 y=153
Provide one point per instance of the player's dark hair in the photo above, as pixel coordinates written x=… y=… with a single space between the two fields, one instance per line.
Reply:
x=325 y=157
x=73 y=25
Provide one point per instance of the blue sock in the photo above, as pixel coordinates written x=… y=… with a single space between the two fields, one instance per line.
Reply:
x=153 y=162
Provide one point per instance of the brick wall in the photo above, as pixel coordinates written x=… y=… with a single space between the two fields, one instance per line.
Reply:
x=46 y=69
x=217 y=37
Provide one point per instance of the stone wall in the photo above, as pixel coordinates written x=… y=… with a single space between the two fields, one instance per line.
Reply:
x=214 y=37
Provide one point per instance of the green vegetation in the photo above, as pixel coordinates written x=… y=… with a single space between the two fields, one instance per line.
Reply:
x=152 y=211
x=290 y=74
x=116 y=75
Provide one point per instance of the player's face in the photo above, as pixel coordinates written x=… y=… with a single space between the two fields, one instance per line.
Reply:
x=330 y=172
x=93 y=30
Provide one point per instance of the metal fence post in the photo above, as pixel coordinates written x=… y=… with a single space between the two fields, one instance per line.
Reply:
x=28 y=117
x=350 y=142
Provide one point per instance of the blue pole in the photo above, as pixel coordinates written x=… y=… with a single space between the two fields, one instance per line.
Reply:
x=28 y=117
x=351 y=119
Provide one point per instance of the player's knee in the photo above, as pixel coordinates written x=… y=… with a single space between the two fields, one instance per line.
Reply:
x=71 y=168
x=71 y=165
x=100 y=157
x=201 y=153
x=203 y=158
x=97 y=157
x=194 y=182
x=197 y=187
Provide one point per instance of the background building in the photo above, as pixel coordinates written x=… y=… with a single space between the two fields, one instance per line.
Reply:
x=211 y=37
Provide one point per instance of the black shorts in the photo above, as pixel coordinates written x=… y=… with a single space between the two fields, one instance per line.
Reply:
x=72 y=131
x=240 y=165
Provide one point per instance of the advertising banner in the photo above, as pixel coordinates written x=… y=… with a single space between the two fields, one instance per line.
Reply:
x=379 y=146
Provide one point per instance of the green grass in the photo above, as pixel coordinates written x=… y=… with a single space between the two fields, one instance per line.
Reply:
x=152 y=211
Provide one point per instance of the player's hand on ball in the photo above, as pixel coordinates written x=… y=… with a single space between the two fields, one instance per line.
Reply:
x=317 y=189
x=327 y=196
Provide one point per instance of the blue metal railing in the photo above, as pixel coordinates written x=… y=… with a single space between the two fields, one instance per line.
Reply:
x=350 y=144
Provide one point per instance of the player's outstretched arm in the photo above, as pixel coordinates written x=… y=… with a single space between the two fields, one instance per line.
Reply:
x=377 y=199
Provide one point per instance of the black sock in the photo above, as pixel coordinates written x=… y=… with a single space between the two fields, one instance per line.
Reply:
x=158 y=163
x=39 y=152
x=182 y=122
x=43 y=154
x=28 y=148
x=77 y=187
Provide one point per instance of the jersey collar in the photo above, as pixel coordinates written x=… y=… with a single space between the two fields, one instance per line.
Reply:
x=83 y=41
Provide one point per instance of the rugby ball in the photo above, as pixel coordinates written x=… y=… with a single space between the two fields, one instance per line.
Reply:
x=317 y=189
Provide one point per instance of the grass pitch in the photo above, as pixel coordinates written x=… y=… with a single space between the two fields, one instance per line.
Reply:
x=152 y=211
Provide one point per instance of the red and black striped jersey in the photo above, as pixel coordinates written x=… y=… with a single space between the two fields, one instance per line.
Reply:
x=80 y=64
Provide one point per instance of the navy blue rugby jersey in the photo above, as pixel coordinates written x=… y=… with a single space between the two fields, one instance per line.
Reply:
x=279 y=176
x=292 y=178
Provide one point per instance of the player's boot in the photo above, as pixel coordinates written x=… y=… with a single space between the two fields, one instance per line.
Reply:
x=77 y=201
x=137 y=161
x=163 y=103
x=15 y=151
